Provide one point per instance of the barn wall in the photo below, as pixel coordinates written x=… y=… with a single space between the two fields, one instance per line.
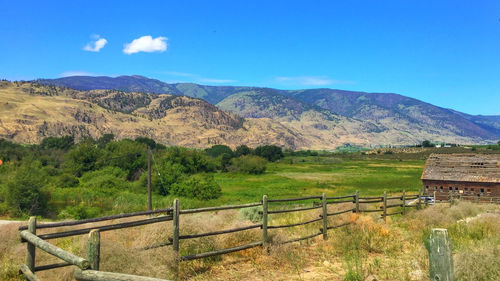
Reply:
x=443 y=188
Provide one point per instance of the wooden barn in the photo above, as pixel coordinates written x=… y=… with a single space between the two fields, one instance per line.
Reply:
x=465 y=175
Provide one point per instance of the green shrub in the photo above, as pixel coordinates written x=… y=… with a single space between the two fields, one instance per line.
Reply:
x=67 y=180
x=252 y=214
x=270 y=152
x=105 y=179
x=250 y=164
x=242 y=150
x=79 y=212
x=199 y=186
x=25 y=194
x=218 y=150
x=83 y=158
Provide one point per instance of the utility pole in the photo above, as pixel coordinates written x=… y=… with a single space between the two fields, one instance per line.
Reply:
x=150 y=204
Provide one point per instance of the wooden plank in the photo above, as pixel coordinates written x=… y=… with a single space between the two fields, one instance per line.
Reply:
x=294 y=224
x=440 y=255
x=221 y=252
x=404 y=202
x=94 y=249
x=371 y=198
x=92 y=220
x=370 y=211
x=385 y=207
x=341 y=201
x=264 y=221
x=371 y=201
x=294 y=210
x=356 y=199
x=301 y=238
x=211 y=209
x=28 y=273
x=154 y=246
x=104 y=227
x=339 y=225
x=340 y=197
x=94 y=275
x=293 y=199
x=51 y=266
x=325 y=216
x=190 y=236
x=30 y=248
x=341 y=212
x=55 y=251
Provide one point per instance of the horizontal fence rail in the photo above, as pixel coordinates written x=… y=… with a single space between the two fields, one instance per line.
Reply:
x=88 y=269
x=92 y=220
x=104 y=227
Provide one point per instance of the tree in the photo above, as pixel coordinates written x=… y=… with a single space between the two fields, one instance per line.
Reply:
x=250 y=164
x=147 y=141
x=498 y=142
x=24 y=190
x=242 y=150
x=218 y=149
x=83 y=158
x=427 y=143
x=270 y=152
x=105 y=139
x=63 y=143
x=128 y=155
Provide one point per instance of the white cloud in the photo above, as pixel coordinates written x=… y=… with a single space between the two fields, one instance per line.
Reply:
x=146 y=44
x=309 y=80
x=96 y=45
x=76 y=73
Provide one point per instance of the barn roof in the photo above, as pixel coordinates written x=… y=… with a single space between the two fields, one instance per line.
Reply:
x=463 y=167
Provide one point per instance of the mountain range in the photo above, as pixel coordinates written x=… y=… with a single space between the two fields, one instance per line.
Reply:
x=198 y=116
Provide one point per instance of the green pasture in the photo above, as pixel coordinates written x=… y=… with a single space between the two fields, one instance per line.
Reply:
x=335 y=176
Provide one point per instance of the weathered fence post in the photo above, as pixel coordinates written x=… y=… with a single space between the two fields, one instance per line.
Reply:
x=419 y=204
x=451 y=197
x=434 y=197
x=385 y=206
x=30 y=253
x=404 y=202
x=264 y=222
x=440 y=255
x=175 y=234
x=94 y=249
x=357 y=201
x=325 y=216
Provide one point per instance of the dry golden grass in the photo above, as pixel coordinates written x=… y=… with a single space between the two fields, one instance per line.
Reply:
x=391 y=251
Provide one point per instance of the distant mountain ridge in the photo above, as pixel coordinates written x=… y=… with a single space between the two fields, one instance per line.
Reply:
x=320 y=114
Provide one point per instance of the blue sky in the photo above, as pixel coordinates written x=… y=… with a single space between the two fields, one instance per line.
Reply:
x=443 y=52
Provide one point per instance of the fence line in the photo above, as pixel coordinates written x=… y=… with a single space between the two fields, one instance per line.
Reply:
x=89 y=267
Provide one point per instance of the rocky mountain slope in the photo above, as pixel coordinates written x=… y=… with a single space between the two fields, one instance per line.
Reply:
x=29 y=112
x=395 y=119
x=303 y=119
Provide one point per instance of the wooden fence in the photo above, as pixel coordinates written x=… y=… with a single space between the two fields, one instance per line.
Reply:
x=88 y=268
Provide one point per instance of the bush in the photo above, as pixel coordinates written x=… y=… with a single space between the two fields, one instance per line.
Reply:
x=24 y=190
x=250 y=164
x=270 y=152
x=199 y=186
x=242 y=150
x=63 y=143
x=252 y=214
x=79 y=212
x=105 y=179
x=127 y=155
x=83 y=158
x=217 y=150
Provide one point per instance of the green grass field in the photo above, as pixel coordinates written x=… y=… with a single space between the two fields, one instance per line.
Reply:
x=333 y=176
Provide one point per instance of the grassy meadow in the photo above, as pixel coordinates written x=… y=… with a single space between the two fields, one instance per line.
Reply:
x=313 y=175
